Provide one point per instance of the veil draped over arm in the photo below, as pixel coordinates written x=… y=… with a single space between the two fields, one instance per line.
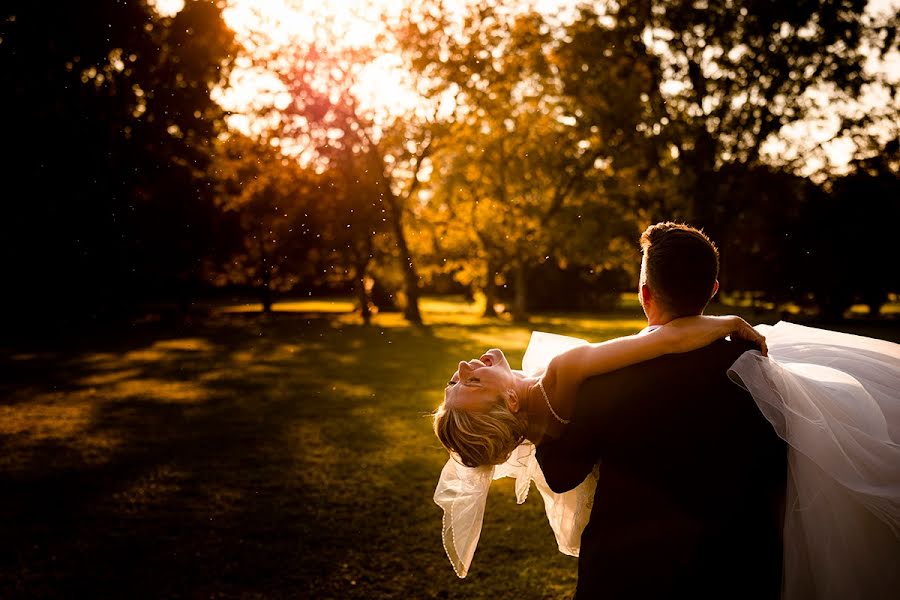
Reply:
x=835 y=399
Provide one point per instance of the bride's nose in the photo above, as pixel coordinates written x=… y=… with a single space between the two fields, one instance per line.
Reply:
x=464 y=367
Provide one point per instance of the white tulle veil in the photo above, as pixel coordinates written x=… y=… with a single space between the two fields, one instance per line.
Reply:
x=462 y=491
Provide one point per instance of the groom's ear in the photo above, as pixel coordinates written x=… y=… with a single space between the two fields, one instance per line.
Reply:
x=715 y=288
x=646 y=295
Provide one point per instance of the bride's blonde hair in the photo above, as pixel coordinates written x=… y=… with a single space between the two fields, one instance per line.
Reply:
x=480 y=438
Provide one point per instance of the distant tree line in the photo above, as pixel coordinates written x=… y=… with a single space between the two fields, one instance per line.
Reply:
x=540 y=149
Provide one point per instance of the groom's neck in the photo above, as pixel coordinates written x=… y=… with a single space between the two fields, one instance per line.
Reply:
x=659 y=319
x=657 y=322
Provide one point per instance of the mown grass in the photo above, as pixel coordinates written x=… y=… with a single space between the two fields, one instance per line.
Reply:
x=244 y=456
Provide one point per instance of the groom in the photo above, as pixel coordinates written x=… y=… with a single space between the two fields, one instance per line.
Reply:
x=691 y=475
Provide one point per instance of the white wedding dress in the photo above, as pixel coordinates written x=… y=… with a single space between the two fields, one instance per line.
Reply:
x=833 y=397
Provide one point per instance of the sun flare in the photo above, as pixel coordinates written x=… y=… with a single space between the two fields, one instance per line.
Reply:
x=383 y=84
x=337 y=25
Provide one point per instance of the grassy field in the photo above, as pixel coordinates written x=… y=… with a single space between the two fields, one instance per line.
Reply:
x=243 y=456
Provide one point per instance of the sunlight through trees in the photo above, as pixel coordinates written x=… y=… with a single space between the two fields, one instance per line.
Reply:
x=171 y=150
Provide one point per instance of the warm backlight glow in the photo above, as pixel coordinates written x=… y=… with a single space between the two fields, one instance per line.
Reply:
x=334 y=25
x=383 y=85
x=345 y=22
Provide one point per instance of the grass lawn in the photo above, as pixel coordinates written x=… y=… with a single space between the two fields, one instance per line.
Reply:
x=251 y=457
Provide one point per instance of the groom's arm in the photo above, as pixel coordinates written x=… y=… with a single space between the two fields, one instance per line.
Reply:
x=568 y=460
x=564 y=463
x=612 y=406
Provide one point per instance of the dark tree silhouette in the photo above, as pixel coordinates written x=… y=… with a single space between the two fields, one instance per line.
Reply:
x=686 y=94
x=110 y=124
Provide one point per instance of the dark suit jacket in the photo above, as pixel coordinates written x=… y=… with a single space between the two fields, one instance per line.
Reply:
x=690 y=493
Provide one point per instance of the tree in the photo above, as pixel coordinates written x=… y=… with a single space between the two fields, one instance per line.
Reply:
x=269 y=198
x=848 y=261
x=113 y=123
x=709 y=83
x=297 y=228
x=514 y=159
x=739 y=73
x=688 y=95
x=324 y=116
x=352 y=227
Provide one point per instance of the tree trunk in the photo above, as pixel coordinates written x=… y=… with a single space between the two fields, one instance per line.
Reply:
x=266 y=297
x=395 y=213
x=266 y=291
x=490 y=290
x=874 y=300
x=365 y=308
x=832 y=306
x=410 y=277
x=520 y=299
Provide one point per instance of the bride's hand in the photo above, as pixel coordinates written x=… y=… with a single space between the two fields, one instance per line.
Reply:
x=691 y=333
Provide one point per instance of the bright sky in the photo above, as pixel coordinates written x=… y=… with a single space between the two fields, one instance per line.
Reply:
x=348 y=23
x=333 y=24
x=356 y=23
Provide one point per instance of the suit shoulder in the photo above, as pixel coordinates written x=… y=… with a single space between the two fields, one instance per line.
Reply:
x=714 y=358
x=728 y=350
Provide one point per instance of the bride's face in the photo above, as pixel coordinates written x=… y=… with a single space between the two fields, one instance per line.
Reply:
x=478 y=383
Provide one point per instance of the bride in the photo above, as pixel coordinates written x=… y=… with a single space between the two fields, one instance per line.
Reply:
x=489 y=409
x=833 y=397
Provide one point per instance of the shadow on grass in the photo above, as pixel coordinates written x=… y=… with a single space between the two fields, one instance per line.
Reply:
x=239 y=457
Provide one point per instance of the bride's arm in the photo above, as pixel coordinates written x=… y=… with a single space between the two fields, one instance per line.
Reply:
x=680 y=335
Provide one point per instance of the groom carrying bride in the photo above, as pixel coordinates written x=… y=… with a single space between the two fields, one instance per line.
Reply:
x=690 y=494
x=666 y=478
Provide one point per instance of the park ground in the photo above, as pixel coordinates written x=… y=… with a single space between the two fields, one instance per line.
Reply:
x=247 y=456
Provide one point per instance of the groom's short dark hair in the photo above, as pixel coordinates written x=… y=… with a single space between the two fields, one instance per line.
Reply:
x=681 y=265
